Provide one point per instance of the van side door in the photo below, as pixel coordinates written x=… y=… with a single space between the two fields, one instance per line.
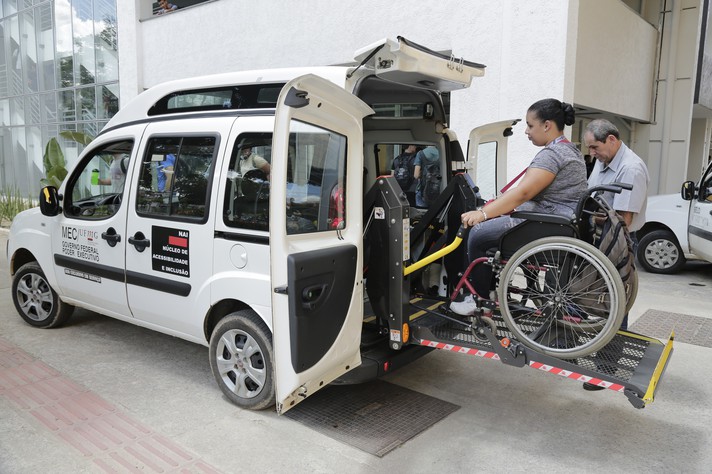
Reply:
x=89 y=243
x=170 y=224
x=316 y=237
x=700 y=222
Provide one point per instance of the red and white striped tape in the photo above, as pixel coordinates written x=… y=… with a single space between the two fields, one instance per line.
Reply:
x=460 y=349
x=537 y=365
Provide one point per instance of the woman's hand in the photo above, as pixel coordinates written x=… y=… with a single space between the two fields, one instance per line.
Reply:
x=472 y=218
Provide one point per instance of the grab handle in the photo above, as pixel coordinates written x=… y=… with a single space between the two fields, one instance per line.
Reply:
x=461 y=233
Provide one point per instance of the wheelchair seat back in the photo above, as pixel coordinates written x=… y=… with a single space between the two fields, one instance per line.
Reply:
x=535 y=226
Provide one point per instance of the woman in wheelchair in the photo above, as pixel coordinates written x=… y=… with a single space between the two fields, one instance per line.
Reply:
x=553 y=184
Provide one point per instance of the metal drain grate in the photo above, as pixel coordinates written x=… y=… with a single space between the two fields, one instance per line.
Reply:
x=688 y=329
x=375 y=417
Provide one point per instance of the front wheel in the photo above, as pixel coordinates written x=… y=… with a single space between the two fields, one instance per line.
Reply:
x=561 y=297
x=659 y=252
x=241 y=359
x=35 y=300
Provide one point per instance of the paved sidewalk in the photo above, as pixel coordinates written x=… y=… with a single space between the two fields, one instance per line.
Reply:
x=159 y=390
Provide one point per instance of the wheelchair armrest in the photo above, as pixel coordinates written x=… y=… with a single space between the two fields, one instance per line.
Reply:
x=541 y=217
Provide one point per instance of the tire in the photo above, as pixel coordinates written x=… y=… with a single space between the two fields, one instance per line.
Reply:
x=660 y=252
x=241 y=359
x=36 y=301
x=561 y=297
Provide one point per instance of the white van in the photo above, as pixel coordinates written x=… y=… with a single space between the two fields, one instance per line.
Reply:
x=193 y=245
x=678 y=227
x=251 y=212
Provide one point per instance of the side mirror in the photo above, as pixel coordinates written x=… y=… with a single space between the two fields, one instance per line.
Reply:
x=49 y=201
x=688 y=190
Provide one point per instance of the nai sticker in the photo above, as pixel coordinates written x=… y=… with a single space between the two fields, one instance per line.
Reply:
x=171 y=251
x=395 y=335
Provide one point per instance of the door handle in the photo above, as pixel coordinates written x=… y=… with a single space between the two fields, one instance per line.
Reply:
x=139 y=241
x=312 y=294
x=111 y=237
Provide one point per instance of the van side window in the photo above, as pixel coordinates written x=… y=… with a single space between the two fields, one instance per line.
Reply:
x=315 y=179
x=175 y=178
x=96 y=189
x=246 y=203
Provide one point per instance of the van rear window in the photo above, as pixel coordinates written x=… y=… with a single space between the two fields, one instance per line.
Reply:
x=251 y=96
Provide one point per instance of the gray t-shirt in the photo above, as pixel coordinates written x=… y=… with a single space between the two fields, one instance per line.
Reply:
x=569 y=185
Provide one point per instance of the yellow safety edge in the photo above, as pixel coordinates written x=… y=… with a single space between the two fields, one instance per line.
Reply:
x=657 y=373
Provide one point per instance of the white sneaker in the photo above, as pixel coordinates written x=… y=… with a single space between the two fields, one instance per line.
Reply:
x=466 y=307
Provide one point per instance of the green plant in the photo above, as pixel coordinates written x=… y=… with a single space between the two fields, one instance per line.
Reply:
x=12 y=203
x=53 y=158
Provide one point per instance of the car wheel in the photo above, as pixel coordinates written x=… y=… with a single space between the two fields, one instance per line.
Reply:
x=659 y=252
x=36 y=301
x=241 y=359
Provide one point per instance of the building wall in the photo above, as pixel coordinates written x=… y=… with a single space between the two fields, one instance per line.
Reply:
x=615 y=59
x=669 y=135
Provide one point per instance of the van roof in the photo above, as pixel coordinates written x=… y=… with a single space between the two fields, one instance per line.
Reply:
x=145 y=104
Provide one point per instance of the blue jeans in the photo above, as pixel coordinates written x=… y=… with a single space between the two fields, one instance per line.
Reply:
x=482 y=238
x=419 y=201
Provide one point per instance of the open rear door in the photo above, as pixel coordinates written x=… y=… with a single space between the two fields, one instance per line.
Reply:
x=316 y=236
x=408 y=63
x=487 y=156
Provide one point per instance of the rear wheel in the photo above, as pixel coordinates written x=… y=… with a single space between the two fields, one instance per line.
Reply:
x=241 y=359
x=659 y=252
x=35 y=300
x=562 y=297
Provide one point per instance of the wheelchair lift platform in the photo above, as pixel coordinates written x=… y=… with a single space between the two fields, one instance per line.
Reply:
x=631 y=363
x=401 y=308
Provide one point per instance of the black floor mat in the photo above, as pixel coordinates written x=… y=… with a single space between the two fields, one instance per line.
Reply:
x=375 y=417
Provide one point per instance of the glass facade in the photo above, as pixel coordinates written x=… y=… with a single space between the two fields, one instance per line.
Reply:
x=59 y=70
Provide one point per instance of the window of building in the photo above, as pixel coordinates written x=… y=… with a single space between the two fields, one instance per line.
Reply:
x=170 y=6
x=58 y=71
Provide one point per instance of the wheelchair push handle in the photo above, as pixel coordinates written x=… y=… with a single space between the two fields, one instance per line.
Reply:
x=615 y=188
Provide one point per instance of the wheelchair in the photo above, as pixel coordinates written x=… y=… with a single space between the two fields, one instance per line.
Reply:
x=555 y=291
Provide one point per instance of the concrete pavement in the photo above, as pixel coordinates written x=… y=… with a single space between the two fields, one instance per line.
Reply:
x=510 y=420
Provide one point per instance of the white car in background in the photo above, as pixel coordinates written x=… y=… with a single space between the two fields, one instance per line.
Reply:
x=678 y=227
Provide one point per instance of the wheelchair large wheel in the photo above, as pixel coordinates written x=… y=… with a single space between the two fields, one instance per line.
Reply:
x=561 y=296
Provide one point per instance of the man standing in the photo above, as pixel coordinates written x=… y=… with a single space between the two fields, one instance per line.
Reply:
x=615 y=162
x=618 y=163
